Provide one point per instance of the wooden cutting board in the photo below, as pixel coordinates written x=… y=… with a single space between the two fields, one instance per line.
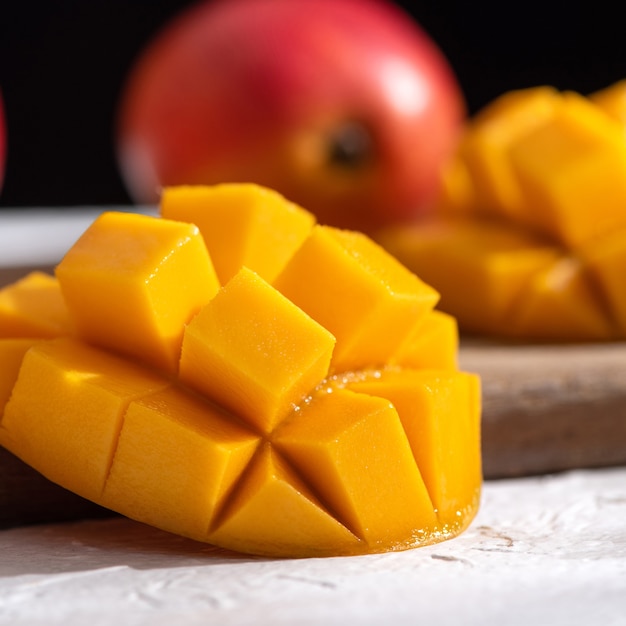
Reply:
x=546 y=408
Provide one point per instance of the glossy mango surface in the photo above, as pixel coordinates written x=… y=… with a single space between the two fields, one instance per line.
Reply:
x=529 y=239
x=294 y=403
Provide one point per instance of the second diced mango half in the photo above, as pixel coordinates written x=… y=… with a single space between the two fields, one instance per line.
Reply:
x=529 y=237
x=294 y=394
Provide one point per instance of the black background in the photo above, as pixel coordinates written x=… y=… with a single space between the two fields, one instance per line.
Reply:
x=63 y=63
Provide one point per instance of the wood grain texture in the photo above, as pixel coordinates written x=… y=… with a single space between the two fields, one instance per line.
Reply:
x=550 y=408
x=546 y=408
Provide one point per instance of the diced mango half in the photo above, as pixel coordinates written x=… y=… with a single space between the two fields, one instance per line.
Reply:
x=550 y=168
x=317 y=413
x=33 y=307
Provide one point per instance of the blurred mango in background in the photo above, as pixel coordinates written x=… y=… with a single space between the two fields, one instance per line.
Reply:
x=529 y=238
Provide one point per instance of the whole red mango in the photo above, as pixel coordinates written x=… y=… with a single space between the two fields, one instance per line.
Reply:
x=347 y=107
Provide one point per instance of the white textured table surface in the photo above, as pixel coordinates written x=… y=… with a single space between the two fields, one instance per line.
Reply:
x=542 y=551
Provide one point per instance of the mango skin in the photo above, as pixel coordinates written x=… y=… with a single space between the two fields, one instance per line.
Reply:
x=529 y=237
x=353 y=122
x=256 y=436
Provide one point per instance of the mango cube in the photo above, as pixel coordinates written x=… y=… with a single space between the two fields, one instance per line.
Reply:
x=355 y=289
x=575 y=161
x=379 y=497
x=422 y=398
x=275 y=513
x=560 y=303
x=69 y=428
x=254 y=351
x=175 y=461
x=242 y=224
x=612 y=100
x=479 y=266
x=605 y=259
x=122 y=283
x=433 y=344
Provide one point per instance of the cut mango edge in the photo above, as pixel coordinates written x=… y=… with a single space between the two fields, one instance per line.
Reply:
x=243 y=429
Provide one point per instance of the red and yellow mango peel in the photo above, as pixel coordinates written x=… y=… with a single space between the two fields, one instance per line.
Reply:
x=530 y=236
x=301 y=400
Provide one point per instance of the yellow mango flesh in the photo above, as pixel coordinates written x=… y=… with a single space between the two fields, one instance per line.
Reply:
x=239 y=425
x=433 y=344
x=381 y=496
x=254 y=351
x=33 y=307
x=132 y=282
x=549 y=168
x=356 y=290
x=572 y=171
x=480 y=267
x=612 y=100
x=176 y=459
x=242 y=224
x=12 y=353
x=561 y=303
x=274 y=513
x=606 y=260
x=67 y=408
x=486 y=144
x=440 y=413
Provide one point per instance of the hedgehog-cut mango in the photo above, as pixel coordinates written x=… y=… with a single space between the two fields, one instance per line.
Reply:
x=529 y=237
x=304 y=399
